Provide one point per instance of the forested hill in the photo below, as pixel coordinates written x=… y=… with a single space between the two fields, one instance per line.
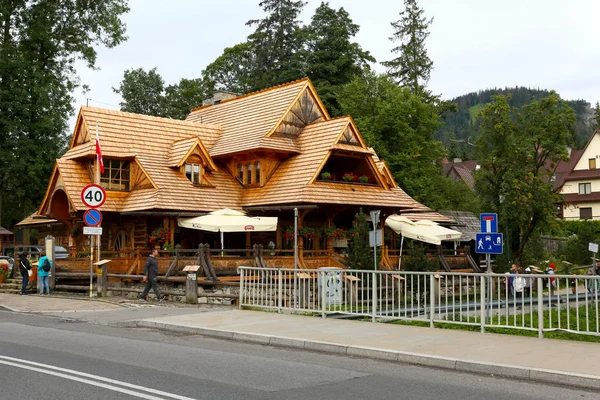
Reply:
x=462 y=125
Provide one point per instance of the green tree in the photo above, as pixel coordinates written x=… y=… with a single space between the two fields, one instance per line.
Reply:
x=518 y=151
x=399 y=126
x=181 y=98
x=278 y=44
x=39 y=43
x=142 y=92
x=359 y=256
x=333 y=59
x=412 y=67
x=231 y=71
x=596 y=118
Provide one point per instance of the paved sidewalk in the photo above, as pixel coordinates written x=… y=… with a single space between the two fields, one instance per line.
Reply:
x=527 y=358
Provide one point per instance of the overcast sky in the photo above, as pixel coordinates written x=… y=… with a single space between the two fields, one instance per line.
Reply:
x=474 y=44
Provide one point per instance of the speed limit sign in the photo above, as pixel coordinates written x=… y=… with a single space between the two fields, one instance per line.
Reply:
x=93 y=196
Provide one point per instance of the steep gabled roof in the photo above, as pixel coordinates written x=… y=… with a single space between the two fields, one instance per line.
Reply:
x=182 y=149
x=152 y=143
x=248 y=121
x=293 y=181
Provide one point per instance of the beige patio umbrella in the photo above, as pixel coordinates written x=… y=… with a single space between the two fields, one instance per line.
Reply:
x=228 y=220
x=423 y=230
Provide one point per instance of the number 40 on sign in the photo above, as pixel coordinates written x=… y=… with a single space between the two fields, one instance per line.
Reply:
x=93 y=196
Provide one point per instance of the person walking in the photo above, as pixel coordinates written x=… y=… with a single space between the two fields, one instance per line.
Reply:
x=24 y=268
x=151 y=276
x=44 y=267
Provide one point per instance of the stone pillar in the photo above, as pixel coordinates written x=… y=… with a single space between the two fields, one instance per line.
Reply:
x=191 y=284
x=102 y=278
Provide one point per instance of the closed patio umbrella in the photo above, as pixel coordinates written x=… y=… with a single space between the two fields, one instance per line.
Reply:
x=227 y=220
x=423 y=230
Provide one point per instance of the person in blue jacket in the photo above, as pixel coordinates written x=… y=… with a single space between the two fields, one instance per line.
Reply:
x=43 y=275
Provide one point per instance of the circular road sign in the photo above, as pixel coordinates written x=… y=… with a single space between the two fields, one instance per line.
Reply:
x=92 y=217
x=93 y=196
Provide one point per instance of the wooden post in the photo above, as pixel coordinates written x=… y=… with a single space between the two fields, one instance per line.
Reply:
x=279 y=239
x=330 y=238
x=248 y=243
x=172 y=232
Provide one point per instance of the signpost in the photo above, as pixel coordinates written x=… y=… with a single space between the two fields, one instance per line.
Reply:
x=374 y=235
x=489 y=223
x=488 y=242
x=92 y=217
x=93 y=196
x=593 y=247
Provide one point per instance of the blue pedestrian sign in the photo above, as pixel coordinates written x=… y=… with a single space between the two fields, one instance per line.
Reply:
x=92 y=217
x=488 y=243
x=489 y=223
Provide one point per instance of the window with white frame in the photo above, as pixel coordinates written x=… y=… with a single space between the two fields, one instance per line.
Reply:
x=193 y=173
x=585 y=188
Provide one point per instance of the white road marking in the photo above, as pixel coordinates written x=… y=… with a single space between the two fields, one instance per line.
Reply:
x=62 y=373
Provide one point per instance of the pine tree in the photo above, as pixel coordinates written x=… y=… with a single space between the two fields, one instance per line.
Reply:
x=333 y=59
x=596 y=118
x=412 y=67
x=277 y=44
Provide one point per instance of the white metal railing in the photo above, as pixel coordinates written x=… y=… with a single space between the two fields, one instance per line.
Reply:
x=539 y=303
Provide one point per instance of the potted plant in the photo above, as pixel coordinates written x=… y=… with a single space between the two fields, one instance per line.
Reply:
x=349 y=177
x=158 y=237
x=4 y=266
x=307 y=232
x=363 y=179
x=326 y=176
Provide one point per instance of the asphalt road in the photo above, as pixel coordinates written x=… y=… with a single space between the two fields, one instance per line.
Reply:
x=50 y=358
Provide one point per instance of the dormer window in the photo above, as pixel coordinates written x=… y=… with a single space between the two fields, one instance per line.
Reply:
x=249 y=173
x=249 y=169
x=116 y=175
x=193 y=173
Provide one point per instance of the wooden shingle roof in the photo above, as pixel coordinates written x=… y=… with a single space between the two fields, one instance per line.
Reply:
x=157 y=148
x=156 y=144
x=293 y=182
x=247 y=120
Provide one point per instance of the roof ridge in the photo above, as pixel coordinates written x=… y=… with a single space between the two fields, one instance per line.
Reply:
x=329 y=120
x=306 y=79
x=149 y=117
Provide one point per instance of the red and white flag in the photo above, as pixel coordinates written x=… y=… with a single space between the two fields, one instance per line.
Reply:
x=99 y=151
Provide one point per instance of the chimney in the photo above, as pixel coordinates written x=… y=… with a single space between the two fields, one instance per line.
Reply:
x=569 y=150
x=219 y=96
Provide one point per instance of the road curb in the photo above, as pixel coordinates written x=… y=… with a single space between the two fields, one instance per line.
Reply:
x=510 y=371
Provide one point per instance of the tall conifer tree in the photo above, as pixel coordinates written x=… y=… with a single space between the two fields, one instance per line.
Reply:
x=278 y=44
x=412 y=67
x=333 y=59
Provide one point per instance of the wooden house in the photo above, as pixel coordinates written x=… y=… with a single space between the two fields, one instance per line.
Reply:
x=265 y=153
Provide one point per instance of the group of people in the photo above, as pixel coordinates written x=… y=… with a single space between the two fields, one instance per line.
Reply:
x=518 y=285
x=25 y=267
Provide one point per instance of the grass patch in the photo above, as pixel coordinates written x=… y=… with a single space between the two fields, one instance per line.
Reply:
x=475 y=111
x=528 y=320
